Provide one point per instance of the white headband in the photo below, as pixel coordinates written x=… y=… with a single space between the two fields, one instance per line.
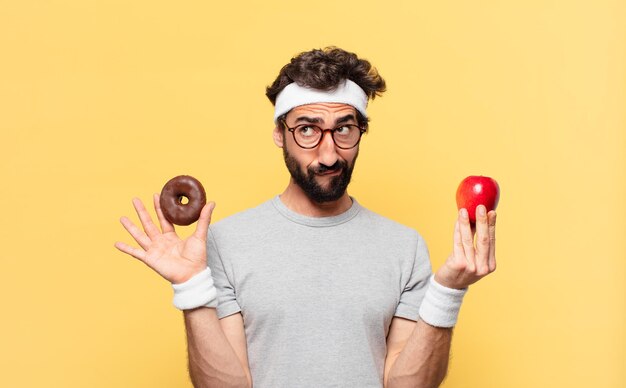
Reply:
x=294 y=95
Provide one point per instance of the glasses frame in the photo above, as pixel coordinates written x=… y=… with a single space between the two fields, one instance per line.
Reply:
x=324 y=130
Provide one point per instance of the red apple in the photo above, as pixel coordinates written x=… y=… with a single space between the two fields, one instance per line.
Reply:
x=477 y=190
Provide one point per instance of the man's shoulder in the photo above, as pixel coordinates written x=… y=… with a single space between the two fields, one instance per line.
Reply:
x=387 y=225
x=254 y=216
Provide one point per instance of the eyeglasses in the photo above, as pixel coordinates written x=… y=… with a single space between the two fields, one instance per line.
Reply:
x=309 y=136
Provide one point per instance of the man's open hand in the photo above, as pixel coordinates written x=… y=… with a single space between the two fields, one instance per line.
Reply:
x=161 y=249
x=470 y=260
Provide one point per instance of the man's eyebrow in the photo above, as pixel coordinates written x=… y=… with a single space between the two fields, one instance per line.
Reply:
x=345 y=118
x=306 y=119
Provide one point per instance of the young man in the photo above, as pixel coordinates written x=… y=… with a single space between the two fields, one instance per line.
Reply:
x=310 y=289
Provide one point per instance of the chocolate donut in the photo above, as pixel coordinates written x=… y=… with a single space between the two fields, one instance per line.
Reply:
x=172 y=195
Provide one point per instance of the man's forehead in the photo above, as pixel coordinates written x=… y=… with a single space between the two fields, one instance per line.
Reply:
x=322 y=110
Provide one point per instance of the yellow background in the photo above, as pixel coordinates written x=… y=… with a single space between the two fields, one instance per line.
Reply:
x=101 y=101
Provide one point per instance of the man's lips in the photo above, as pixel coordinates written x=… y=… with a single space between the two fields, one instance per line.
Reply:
x=330 y=172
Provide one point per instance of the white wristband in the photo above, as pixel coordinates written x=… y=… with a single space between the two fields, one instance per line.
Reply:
x=441 y=305
x=196 y=292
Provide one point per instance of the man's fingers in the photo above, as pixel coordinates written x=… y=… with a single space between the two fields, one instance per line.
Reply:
x=482 y=241
x=134 y=252
x=203 y=222
x=142 y=239
x=492 y=240
x=467 y=238
x=458 y=250
x=166 y=226
x=146 y=221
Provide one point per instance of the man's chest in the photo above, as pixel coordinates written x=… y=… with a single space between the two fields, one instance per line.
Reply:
x=318 y=283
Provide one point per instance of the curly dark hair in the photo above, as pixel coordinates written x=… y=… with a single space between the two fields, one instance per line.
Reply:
x=325 y=69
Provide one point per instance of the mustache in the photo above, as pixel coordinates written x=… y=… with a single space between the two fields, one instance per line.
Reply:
x=338 y=165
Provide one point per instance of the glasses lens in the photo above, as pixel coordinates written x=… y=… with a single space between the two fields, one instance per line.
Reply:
x=347 y=136
x=307 y=135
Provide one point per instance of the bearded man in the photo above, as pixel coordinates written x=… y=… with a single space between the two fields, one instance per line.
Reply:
x=310 y=289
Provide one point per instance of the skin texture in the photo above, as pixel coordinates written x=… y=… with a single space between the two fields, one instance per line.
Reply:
x=307 y=161
x=417 y=353
x=217 y=348
x=308 y=181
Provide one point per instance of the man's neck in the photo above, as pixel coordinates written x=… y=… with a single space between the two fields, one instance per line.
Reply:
x=297 y=201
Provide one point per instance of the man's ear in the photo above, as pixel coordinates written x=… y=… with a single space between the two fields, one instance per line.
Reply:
x=278 y=136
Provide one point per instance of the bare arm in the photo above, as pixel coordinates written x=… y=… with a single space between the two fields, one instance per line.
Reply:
x=217 y=348
x=418 y=353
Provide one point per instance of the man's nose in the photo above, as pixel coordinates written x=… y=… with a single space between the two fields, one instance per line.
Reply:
x=327 y=150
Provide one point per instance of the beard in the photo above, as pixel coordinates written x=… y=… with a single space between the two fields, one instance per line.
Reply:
x=336 y=187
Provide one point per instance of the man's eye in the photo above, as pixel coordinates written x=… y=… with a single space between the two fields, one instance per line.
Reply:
x=343 y=130
x=307 y=130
